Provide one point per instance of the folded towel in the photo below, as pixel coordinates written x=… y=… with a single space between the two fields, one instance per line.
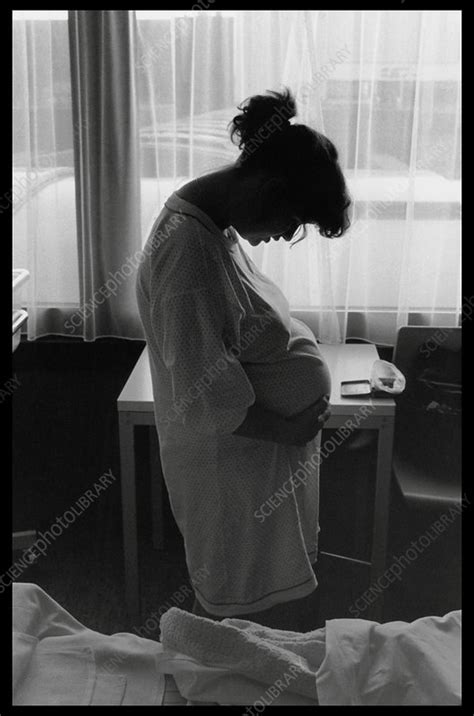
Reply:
x=350 y=662
x=287 y=659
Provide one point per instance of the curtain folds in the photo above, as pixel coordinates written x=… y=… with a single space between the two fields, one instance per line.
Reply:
x=106 y=152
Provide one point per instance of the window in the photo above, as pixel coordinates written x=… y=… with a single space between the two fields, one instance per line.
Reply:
x=383 y=85
x=43 y=194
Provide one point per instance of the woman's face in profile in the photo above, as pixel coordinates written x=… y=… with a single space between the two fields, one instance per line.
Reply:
x=275 y=229
x=264 y=216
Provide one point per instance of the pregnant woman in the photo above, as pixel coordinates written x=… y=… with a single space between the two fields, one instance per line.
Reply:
x=240 y=388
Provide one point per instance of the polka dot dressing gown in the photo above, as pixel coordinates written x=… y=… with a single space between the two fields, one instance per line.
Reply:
x=220 y=337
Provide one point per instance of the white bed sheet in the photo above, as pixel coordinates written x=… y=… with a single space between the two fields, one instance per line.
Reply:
x=57 y=660
x=354 y=662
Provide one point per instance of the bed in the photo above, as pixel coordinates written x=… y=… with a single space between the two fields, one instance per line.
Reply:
x=59 y=661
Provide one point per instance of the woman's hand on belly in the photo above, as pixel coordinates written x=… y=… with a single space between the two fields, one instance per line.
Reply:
x=304 y=426
x=300 y=429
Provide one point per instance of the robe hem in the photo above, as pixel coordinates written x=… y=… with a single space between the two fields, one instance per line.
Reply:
x=258 y=605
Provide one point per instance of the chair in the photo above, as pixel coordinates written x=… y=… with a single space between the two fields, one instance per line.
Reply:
x=426 y=457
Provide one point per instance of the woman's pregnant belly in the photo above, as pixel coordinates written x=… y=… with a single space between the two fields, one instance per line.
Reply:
x=294 y=380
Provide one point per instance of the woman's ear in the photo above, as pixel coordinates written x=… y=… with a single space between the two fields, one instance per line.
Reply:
x=273 y=197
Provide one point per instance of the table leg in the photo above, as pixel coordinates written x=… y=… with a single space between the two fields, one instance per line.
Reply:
x=381 y=514
x=362 y=515
x=129 y=516
x=156 y=479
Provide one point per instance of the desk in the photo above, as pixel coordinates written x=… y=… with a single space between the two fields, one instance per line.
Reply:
x=345 y=362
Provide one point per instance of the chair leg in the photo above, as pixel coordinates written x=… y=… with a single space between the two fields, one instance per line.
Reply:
x=156 y=478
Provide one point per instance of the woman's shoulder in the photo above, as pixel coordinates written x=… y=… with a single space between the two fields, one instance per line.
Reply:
x=180 y=250
x=176 y=231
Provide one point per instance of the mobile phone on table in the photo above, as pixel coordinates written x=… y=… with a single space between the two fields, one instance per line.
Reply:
x=355 y=388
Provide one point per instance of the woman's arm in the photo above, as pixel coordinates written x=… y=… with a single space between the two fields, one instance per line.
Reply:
x=263 y=424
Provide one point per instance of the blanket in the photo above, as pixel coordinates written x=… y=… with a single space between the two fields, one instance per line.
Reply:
x=354 y=662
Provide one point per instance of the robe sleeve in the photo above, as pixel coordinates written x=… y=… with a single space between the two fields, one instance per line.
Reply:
x=210 y=389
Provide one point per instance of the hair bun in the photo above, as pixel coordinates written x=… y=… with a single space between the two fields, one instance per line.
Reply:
x=276 y=108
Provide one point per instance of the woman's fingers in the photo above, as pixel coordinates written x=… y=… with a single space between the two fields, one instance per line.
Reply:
x=307 y=424
x=314 y=410
x=324 y=401
x=320 y=409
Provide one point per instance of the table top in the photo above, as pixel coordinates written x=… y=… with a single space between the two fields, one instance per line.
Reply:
x=353 y=361
x=346 y=361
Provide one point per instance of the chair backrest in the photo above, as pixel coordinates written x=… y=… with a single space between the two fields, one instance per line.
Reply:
x=427 y=447
x=414 y=340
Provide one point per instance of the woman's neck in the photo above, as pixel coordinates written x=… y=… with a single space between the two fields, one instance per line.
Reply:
x=211 y=193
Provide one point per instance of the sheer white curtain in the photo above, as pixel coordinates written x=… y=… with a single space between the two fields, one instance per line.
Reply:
x=76 y=184
x=43 y=194
x=385 y=87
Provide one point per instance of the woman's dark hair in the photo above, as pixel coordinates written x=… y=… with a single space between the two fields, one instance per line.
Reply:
x=304 y=159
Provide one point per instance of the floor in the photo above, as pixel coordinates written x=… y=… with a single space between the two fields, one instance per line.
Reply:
x=65 y=436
